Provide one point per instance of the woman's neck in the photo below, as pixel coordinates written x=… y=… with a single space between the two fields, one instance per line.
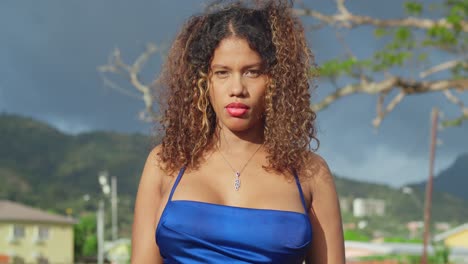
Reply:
x=238 y=141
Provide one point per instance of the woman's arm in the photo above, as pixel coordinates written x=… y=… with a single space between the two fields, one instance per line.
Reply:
x=325 y=217
x=148 y=200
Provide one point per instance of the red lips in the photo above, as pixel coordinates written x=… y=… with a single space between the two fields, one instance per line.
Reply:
x=237 y=109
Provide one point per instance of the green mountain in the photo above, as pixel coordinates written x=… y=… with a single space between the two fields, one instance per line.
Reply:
x=453 y=180
x=43 y=167
x=406 y=205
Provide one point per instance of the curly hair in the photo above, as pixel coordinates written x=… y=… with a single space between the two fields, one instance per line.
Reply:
x=189 y=121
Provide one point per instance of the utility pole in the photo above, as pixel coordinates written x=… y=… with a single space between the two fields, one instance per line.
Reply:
x=112 y=191
x=427 y=209
x=114 y=207
x=100 y=232
x=102 y=178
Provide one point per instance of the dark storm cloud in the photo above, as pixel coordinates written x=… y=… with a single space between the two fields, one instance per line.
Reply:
x=396 y=153
x=50 y=51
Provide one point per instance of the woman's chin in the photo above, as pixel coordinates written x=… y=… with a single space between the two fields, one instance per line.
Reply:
x=241 y=125
x=238 y=128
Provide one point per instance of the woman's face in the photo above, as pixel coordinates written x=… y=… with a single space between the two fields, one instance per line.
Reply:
x=238 y=85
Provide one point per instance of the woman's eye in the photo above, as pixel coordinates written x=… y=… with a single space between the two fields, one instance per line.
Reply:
x=221 y=74
x=252 y=73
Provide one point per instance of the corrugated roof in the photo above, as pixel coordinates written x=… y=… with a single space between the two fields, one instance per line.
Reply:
x=11 y=211
x=450 y=232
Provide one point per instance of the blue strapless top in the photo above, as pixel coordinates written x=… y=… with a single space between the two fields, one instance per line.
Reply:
x=200 y=232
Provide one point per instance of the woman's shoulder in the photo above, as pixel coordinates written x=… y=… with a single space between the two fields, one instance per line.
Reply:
x=316 y=171
x=154 y=160
x=154 y=170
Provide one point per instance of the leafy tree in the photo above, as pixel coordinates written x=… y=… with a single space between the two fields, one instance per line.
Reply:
x=407 y=63
x=85 y=236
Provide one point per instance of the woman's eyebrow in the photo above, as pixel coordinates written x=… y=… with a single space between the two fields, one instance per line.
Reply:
x=256 y=64
x=219 y=66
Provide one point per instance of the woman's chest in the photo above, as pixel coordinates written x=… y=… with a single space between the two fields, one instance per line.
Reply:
x=258 y=189
x=194 y=230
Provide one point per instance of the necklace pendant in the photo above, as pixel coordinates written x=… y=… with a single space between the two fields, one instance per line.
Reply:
x=237 y=182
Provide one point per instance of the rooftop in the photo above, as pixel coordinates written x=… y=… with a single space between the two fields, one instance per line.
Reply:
x=11 y=211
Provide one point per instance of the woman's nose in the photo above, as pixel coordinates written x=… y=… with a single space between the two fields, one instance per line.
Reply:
x=237 y=86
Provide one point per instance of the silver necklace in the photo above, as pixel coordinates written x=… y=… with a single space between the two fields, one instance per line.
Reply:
x=237 y=173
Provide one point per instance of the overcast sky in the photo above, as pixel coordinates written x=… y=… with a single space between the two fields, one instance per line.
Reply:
x=50 y=51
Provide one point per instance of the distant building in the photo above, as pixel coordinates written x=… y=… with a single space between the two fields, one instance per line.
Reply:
x=441 y=226
x=345 y=204
x=415 y=228
x=456 y=237
x=355 y=250
x=368 y=207
x=29 y=235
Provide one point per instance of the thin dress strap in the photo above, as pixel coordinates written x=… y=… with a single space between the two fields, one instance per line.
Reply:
x=179 y=176
x=300 y=192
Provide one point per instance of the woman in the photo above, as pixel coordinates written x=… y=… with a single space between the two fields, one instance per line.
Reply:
x=234 y=180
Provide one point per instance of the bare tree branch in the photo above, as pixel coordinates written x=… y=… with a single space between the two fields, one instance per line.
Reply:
x=455 y=100
x=407 y=86
x=381 y=114
x=143 y=58
x=343 y=18
x=340 y=5
x=315 y=27
x=380 y=102
x=442 y=67
x=117 y=65
x=115 y=86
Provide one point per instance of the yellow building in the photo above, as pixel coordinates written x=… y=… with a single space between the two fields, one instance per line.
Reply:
x=456 y=237
x=29 y=235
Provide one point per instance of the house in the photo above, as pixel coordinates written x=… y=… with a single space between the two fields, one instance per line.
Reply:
x=456 y=237
x=354 y=250
x=29 y=235
x=368 y=207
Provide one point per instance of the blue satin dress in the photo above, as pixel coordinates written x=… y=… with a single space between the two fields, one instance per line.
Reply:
x=200 y=232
